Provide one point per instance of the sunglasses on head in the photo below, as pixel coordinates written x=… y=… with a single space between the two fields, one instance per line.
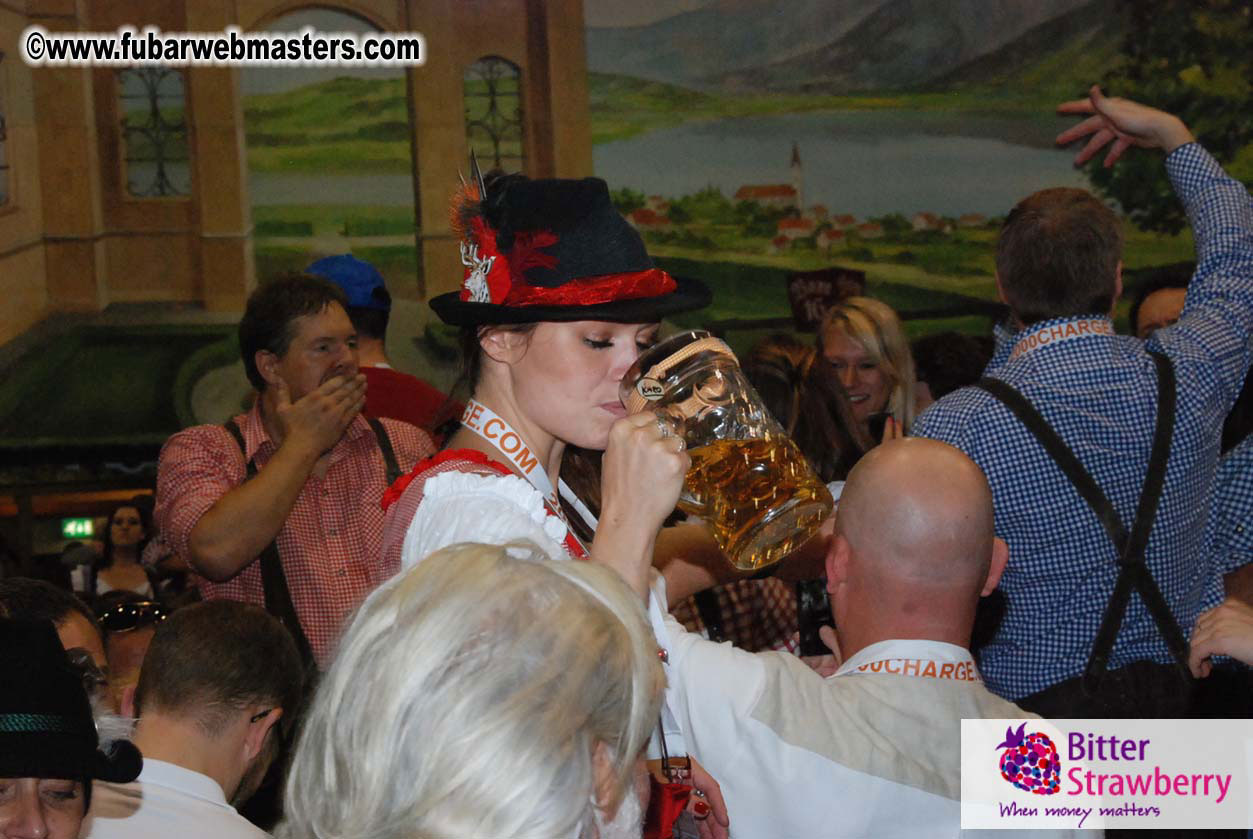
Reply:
x=127 y=616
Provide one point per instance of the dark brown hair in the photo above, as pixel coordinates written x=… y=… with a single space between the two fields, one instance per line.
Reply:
x=22 y=598
x=213 y=659
x=797 y=386
x=1057 y=255
x=273 y=308
x=371 y=323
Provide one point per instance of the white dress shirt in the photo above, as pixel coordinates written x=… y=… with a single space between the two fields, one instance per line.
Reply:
x=868 y=752
x=165 y=802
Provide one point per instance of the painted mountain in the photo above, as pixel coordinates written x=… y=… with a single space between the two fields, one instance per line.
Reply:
x=838 y=46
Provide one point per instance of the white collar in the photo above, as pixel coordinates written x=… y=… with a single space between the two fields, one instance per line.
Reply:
x=1060 y=330
x=898 y=648
x=184 y=780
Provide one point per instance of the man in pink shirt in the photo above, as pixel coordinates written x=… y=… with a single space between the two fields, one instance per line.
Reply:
x=281 y=506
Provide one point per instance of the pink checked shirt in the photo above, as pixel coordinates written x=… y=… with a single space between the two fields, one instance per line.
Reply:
x=757 y=615
x=331 y=543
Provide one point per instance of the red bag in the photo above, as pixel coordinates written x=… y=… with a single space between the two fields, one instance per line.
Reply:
x=665 y=804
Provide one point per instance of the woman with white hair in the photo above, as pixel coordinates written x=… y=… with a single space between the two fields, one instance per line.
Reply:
x=488 y=692
x=864 y=343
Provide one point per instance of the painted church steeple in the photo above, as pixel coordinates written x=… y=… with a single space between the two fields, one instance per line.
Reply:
x=797 y=179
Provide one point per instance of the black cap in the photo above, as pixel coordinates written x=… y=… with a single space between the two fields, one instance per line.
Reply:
x=46 y=725
x=556 y=250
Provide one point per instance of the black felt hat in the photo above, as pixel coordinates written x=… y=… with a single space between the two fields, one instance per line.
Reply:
x=46 y=726
x=555 y=250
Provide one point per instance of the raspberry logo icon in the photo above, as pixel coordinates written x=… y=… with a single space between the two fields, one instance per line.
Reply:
x=1030 y=761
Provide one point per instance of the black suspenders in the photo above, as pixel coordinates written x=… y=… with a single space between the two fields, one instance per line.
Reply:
x=1131 y=545
x=278 y=600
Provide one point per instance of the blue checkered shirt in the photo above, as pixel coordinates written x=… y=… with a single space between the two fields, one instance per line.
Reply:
x=1099 y=392
x=1231 y=529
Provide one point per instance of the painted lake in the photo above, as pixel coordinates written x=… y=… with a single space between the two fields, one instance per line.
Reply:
x=867 y=163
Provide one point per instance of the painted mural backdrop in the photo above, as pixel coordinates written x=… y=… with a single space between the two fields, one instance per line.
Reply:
x=329 y=167
x=748 y=138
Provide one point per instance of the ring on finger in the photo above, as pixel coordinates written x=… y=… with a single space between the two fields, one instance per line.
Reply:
x=663 y=427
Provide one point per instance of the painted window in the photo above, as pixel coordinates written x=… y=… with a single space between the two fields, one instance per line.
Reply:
x=154 y=132
x=493 y=96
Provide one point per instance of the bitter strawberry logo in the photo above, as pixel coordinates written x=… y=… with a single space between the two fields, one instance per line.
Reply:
x=1030 y=762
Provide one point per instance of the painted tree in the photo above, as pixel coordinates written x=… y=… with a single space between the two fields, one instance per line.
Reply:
x=1192 y=58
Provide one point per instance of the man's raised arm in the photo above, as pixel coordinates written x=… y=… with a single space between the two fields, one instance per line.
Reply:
x=241 y=519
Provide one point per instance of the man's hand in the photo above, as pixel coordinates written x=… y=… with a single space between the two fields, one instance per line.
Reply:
x=1122 y=122
x=319 y=418
x=1224 y=630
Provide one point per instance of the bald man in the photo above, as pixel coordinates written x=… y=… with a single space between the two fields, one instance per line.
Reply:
x=874 y=750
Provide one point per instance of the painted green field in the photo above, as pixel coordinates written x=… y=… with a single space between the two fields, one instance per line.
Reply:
x=752 y=285
x=360 y=126
x=911 y=271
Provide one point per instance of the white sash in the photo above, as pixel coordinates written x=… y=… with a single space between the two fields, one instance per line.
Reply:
x=499 y=434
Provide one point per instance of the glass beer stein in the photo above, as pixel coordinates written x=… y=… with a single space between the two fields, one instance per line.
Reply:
x=748 y=480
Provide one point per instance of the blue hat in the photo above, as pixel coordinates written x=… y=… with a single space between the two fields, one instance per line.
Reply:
x=361 y=281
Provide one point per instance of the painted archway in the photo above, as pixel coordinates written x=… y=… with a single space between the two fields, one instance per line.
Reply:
x=330 y=157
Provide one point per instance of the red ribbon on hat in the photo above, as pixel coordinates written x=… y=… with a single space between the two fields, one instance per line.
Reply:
x=589 y=291
x=527 y=253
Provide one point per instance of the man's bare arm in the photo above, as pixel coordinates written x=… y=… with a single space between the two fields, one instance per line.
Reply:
x=237 y=528
x=691 y=561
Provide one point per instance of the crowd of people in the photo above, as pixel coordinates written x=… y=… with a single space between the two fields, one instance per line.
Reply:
x=393 y=642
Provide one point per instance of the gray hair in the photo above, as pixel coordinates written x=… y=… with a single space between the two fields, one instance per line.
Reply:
x=467 y=698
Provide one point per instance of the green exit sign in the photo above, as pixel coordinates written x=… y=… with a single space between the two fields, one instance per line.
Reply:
x=76 y=529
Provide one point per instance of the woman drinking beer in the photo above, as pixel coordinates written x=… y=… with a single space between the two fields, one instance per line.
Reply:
x=559 y=298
